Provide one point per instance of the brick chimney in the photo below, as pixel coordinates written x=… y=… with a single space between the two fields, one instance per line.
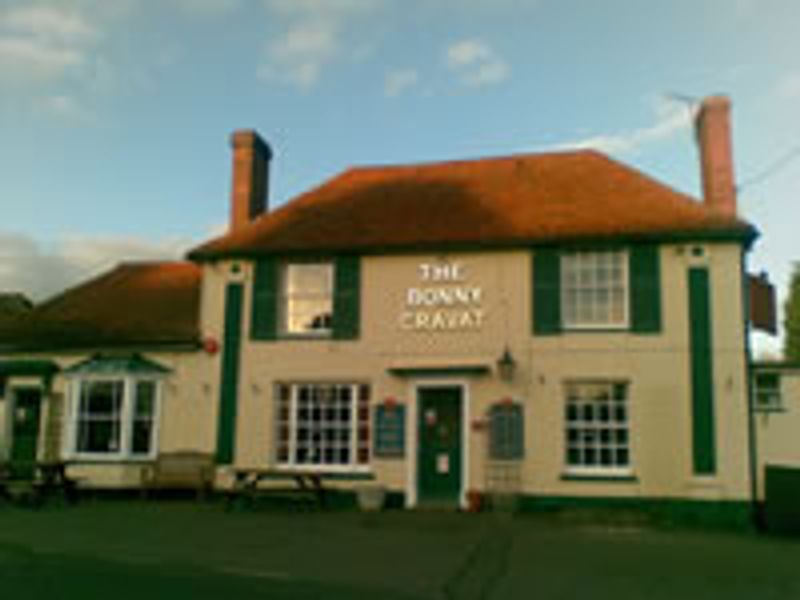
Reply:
x=251 y=156
x=713 y=130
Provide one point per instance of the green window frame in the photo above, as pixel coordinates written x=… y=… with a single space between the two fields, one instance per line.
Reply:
x=767 y=391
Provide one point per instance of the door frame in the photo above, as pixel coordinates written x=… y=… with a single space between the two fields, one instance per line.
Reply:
x=11 y=399
x=412 y=466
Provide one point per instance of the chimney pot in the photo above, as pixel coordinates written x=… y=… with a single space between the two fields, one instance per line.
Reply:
x=713 y=130
x=251 y=157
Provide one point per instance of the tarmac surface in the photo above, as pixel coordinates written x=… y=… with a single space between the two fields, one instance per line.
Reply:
x=117 y=550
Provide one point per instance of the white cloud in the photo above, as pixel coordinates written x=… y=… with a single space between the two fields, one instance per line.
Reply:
x=65 y=107
x=43 y=42
x=313 y=39
x=400 y=81
x=789 y=86
x=670 y=119
x=27 y=266
x=475 y=63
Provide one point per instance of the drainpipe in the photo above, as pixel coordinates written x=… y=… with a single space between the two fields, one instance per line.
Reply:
x=751 y=420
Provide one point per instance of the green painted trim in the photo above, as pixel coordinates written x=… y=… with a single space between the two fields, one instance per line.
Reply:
x=775 y=409
x=344 y=476
x=598 y=477
x=702 y=372
x=28 y=368
x=229 y=388
x=394 y=500
x=669 y=511
x=122 y=346
x=744 y=236
x=450 y=371
x=752 y=438
x=774 y=366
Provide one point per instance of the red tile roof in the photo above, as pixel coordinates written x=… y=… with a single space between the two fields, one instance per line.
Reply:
x=513 y=200
x=135 y=304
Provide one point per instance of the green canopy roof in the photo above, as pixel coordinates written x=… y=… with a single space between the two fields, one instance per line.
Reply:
x=32 y=368
x=129 y=364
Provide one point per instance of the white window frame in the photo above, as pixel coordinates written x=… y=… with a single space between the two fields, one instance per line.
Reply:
x=608 y=325
x=354 y=466
x=599 y=469
x=777 y=396
x=125 y=451
x=284 y=299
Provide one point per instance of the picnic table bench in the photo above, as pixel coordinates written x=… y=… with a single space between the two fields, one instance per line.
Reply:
x=307 y=490
x=34 y=482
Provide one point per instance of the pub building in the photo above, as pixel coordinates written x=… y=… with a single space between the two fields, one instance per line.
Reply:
x=556 y=326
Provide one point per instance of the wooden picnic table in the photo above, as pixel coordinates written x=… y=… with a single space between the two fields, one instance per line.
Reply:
x=309 y=484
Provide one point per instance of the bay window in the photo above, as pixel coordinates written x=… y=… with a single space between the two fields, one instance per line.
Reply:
x=114 y=417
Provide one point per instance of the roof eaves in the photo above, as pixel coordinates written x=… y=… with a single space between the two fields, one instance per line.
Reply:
x=746 y=235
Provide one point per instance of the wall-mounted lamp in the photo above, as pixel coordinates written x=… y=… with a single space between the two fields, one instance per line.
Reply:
x=506 y=365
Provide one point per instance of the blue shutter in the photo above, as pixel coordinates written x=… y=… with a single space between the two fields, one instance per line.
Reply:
x=506 y=432
x=390 y=431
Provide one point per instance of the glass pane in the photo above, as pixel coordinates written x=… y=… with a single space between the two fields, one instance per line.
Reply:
x=102 y=398
x=142 y=437
x=309 y=279
x=145 y=399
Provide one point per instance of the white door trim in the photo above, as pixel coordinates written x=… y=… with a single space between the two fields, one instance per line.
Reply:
x=412 y=437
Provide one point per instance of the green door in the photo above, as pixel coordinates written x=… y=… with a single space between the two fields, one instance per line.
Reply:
x=439 y=451
x=25 y=431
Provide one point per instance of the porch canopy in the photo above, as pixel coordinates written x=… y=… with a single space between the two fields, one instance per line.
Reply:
x=28 y=368
x=116 y=364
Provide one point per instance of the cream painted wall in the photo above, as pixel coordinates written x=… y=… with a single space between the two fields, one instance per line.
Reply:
x=187 y=418
x=656 y=365
x=778 y=432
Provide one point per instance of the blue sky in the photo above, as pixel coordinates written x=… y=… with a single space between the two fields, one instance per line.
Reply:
x=115 y=114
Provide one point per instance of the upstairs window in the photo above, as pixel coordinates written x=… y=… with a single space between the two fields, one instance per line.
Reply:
x=307 y=298
x=594 y=290
x=767 y=391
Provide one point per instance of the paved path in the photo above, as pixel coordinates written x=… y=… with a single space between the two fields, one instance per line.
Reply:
x=177 y=550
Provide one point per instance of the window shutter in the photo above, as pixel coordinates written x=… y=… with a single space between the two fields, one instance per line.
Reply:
x=347 y=297
x=645 y=292
x=546 y=292
x=264 y=309
x=506 y=432
x=390 y=431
